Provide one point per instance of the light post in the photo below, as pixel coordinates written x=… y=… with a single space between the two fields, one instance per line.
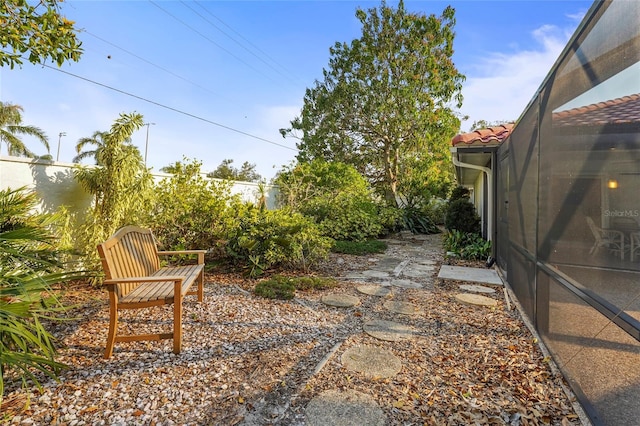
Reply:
x=60 y=135
x=146 y=144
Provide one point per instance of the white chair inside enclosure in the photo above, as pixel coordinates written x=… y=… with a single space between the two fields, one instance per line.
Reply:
x=610 y=239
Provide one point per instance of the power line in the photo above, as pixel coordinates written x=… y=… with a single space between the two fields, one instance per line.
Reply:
x=170 y=108
x=154 y=65
x=186 y=4
x=211 y=41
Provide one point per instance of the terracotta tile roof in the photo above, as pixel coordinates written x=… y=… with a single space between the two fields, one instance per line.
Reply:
x=494 y=134
x=623 y=110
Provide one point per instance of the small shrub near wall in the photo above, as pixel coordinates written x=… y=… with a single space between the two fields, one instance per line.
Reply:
x=191 y=212
x=266 y=239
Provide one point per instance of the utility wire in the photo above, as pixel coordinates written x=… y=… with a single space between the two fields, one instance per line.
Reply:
x=210 y=40
x=186 y=4
x=248 y=41
x=155 y=65
x=170 y=108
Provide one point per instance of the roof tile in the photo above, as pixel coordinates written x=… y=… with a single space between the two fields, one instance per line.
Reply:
x=495 y=134
x=622 y=110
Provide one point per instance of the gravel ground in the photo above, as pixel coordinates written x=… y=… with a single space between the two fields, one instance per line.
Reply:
x=253 y=361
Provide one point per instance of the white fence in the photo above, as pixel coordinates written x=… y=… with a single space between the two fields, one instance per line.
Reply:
x=54 y=183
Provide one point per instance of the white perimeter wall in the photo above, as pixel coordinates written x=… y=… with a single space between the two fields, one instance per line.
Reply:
x=54 y=183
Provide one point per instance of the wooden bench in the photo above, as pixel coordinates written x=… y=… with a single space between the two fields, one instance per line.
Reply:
x=135 y=280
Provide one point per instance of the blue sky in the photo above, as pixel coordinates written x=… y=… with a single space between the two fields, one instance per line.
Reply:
x=219 y=78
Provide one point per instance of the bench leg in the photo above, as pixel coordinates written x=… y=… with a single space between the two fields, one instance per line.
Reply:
x=177 y=321
x=201 y=278
x=113 y=327
x=201 y=286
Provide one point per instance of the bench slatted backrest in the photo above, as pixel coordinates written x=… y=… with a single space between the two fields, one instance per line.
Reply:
x=130 y=252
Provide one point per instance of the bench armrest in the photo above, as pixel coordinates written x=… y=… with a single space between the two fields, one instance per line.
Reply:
x=159 y=279
x=200 y=253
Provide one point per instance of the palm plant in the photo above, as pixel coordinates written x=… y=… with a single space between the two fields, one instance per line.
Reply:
x=97 y=139
x=29 y=265
x=11 y=126
x=120 y=184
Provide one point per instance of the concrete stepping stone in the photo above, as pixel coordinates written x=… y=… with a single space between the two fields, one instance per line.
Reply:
x=474 y=288
x=374 y=290
x=374 y=274
x=418 y=271
x=388 y=330
x=475 y=299
x=398 y=307
x=349 y=408
x=405 y=283
x=465 y=273
x=372 y=361
x=340 y=300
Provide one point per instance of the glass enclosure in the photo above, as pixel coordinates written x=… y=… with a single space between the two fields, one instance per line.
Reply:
x=573 y=211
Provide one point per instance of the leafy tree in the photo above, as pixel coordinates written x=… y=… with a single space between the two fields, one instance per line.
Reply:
x=120 y=184
x=39 y=29
x=11 y=126
x=246 y=173
x=29 y=266
x=385 y=98
x=484 y=124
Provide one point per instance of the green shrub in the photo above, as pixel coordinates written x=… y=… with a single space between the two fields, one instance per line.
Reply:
x=345 y=217
x=459 y=193
x=359 y=247
x=276 y=288
x=414 y=220
x=436 y=210
x=313 y=283
x=462 y=216
x=264 y=239
x=466 y=245
x=281 y=287
x=336 y=196
x=191 y=212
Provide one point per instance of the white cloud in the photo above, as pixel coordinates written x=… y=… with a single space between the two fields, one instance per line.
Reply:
x=502 y=84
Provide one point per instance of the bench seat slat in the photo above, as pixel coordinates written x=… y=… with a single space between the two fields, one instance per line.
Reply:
x=163 y=290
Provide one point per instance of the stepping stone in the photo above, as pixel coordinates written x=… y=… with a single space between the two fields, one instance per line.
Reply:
x=464 y=273
x=372 y=361
x=398 y=269
x=388 y=330
x=340 y=300
x=398 y=307
x=475 y=299
x=374 y=274
x=418 y=271
x=405 y=283
x=477 y=288
x=349 y=408
x=374 y=290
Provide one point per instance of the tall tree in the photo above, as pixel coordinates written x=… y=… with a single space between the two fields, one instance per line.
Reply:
x=226 y=170
x=386 y=97
x=36 y=28
x=11 y=126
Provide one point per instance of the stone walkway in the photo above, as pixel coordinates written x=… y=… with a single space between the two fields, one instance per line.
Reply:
x=401 y=267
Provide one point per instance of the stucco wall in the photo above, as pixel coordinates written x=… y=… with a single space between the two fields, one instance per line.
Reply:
x=54 y=183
